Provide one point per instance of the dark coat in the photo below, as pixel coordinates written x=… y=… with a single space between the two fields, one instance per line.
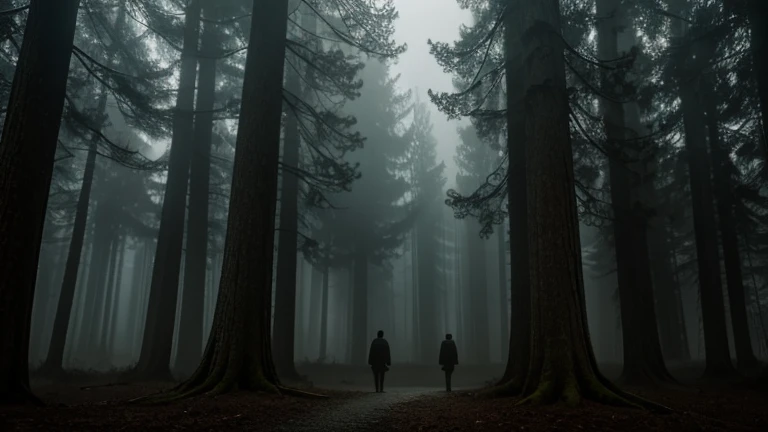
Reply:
x=378 y=356
x=449 y=356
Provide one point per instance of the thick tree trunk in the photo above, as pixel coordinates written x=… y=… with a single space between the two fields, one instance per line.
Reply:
x=55 y=358
x=324 y=317
x=155 y=358
x=643 y=361
x=725 y=204
x=27 y=149
x=190 y=339
x=285 y=291
x=705 y=227
x=520 y=290
x=562 y=364
x=360 y=309
x=239 y=354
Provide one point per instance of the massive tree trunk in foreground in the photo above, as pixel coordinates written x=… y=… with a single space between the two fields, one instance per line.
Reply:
x=154 y=361
x=27 y=151
x=190 y=345
x=520 y=289
x=285 y=281
x=562 y=364
x=643 y=361
x=239 y=354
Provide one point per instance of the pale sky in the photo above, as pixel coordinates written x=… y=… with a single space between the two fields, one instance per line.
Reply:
x=438 y=20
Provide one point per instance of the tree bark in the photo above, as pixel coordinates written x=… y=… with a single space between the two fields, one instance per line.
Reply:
x=562 y=364
x=285 y=291
x=730 y=242
x=517 y=196
x=155 y=358
x=27 y=149
x=190 y=339
x=239 y=354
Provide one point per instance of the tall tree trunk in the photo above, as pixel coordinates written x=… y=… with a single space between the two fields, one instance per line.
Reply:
x=155 y=358
x=324 y=316
x=285 y=291
x=725 y=204
x=520 y=288
x=562 y=364
x=239 y=354
x=643 y=361
x=717 y=352
x=55 y=358
x=360 y=308
x=190 y=339
x=27 y=149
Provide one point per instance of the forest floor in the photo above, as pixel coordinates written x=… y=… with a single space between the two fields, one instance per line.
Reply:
x=95 y=406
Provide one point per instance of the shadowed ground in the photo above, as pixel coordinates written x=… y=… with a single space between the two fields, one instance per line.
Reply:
x=97 y=403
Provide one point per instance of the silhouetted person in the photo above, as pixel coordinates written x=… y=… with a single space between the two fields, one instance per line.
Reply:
x=449 y=358
x=379 y=359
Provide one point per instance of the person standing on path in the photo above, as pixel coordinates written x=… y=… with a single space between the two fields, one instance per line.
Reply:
x=379 y=359
x=449 y=358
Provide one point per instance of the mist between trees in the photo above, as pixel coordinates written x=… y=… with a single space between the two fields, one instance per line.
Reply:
x=188 y=187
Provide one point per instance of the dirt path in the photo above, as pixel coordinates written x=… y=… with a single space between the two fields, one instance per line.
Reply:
x=368 y=412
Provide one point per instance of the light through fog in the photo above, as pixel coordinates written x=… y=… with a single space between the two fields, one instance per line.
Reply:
x=438 y=20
